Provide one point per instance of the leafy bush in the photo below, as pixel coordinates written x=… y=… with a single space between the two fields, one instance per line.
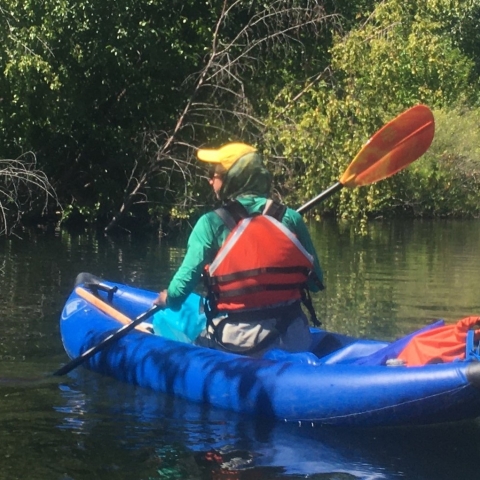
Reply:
x=403 y=55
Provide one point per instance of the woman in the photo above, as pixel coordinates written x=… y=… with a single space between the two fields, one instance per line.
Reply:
x=256 y=275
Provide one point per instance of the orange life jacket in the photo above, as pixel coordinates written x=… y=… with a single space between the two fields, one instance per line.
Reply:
x=261 y=263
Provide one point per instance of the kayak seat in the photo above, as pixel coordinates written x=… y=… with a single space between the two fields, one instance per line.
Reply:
x=326 y=348
x=372 y=353
x=277 y=355
x=325 y=343
x=353 y=352
x=321 y=356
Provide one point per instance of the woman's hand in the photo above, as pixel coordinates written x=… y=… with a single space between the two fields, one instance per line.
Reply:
x=161 y=300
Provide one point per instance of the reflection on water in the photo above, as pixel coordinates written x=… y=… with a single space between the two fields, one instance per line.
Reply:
x=83 y=426
x=183 y=440
x=399 y=276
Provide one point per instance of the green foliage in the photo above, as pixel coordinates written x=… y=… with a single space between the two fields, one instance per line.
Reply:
x=83 y=79
x=95 y=89
x=403 y=55
x=447 y=181
x=460 y=20
x=406 y=55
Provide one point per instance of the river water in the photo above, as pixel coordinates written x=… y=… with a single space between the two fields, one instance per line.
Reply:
x=384 y=284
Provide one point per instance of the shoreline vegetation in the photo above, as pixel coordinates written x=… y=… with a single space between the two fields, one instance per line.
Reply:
x=112 y=98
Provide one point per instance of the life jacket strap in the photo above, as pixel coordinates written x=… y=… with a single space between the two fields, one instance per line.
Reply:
x=211 y=281
x=260 y=288
x=210 y=302
x=233 y=212
x=307 y=301
x=274 y=209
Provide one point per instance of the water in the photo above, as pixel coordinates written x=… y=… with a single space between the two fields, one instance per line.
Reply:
x=395 y=279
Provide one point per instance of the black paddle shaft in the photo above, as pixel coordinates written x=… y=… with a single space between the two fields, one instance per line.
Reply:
x=322 y=196
x=106 y=342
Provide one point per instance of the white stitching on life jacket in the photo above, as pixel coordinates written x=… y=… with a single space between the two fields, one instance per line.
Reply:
x=291 y=236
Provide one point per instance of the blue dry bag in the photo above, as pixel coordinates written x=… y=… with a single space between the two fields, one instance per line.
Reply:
x=183 y=325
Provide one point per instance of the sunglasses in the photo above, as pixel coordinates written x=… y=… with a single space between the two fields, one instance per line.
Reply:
x=213 y=173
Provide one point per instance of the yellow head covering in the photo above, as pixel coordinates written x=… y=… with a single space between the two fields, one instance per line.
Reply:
x=226 y=155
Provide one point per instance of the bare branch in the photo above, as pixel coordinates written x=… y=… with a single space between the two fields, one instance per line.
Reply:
x=218 y=97
x=22 y=185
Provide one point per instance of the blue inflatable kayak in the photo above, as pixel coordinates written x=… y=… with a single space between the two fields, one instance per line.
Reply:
x=347 y=381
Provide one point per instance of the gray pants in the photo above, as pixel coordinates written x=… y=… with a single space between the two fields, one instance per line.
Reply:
x=254 y=333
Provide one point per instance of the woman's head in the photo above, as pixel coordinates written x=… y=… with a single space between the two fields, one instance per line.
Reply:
x=236 y=169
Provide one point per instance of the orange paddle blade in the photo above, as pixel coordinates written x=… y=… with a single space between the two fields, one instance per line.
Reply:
x=396 y=145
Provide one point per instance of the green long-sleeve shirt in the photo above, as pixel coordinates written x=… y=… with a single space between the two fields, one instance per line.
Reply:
x=210 y=233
